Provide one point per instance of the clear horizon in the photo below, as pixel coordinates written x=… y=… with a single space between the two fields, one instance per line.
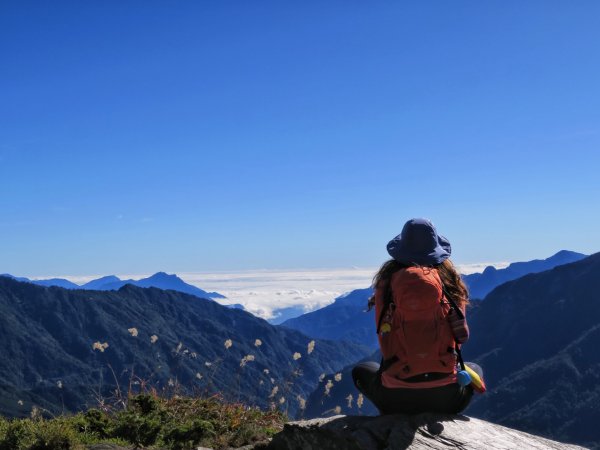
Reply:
x=227 y=137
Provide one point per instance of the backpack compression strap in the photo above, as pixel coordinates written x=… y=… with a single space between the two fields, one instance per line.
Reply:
x=388 y=299
x=461 y=316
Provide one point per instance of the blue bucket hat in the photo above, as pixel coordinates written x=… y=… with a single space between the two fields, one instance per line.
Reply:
x=419 y=244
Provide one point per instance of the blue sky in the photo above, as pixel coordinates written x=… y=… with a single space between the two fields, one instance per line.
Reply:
x=226 y=135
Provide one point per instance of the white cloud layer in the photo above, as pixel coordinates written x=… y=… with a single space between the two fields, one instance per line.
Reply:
x=262 y=292
x=265 y=291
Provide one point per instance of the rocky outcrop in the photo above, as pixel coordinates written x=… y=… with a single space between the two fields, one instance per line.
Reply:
x=422 y=432
x=398 y=432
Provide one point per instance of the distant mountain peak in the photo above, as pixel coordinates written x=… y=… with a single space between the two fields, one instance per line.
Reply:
x=59 y=282
x=107 y=278
x=99 y=282
x=163 y=275
x=163 y=280
x=567 y=254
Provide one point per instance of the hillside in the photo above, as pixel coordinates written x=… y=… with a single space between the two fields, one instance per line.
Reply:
x=345 y=319
x=536 y=338
x=336 y=390
x=48 y=359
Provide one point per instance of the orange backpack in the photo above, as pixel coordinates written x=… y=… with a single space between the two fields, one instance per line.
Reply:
x=415 y=336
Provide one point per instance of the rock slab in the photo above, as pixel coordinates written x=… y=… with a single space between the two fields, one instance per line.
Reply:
x=399 y=432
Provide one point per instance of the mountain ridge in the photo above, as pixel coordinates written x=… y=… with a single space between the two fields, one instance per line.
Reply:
x=160 y=280
x=481 y=284
x=536 y=338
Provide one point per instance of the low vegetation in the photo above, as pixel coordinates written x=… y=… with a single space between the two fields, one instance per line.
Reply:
x=148 y=421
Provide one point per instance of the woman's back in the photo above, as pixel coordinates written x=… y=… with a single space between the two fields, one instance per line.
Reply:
x=420 y=303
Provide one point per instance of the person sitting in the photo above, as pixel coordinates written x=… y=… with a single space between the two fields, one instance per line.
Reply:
x=420 y=313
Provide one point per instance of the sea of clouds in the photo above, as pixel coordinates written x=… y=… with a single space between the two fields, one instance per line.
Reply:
x=264 y=292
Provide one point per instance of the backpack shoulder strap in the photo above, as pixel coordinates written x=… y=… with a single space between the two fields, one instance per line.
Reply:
x=452 y=303
x=461 y=315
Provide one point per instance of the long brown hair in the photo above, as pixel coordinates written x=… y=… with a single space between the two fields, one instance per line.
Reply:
x=386 y=271
x=453 y=283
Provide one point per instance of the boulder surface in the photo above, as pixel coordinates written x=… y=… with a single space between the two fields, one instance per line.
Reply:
x=397 y=432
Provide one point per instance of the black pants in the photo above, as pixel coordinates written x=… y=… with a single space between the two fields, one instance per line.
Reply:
x=450 y=399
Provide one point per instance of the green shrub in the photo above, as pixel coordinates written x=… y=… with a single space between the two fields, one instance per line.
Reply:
x=189 y=435
x=57 y=434
x=174 y=424
x=96 y=423
x=136 y=428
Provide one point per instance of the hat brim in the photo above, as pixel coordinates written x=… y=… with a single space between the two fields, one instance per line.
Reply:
x=438 y=255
